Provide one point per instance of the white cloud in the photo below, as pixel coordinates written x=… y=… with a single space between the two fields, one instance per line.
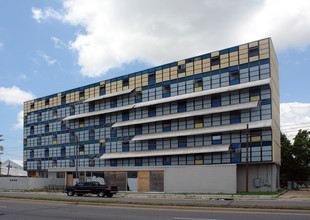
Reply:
x=58 y=43
x=1 y=44
x=48 y=59
x=156 y=32
x=294 y=116
x=14 y=95
x=22 y=76
x=39 y=15
x=20 y=120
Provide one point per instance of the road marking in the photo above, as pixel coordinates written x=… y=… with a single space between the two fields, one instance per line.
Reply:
x=181 y=218
x=2 y=206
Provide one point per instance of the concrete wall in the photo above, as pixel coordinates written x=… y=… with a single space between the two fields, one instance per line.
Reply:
x=268 y=175
x=24 y=183
x=201 y=179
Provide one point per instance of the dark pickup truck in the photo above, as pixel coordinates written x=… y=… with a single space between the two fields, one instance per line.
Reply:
x=91 y=188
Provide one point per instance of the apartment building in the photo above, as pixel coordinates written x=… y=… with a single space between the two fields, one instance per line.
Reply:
x=184 y=126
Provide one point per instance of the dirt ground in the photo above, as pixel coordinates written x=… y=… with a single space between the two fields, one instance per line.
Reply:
x=301 y=195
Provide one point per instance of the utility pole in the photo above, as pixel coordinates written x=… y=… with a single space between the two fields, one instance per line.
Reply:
x=247 y=159
x=9 y=167
x=1 y=151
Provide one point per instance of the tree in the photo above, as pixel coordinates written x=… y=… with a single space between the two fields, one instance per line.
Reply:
x=296 y=157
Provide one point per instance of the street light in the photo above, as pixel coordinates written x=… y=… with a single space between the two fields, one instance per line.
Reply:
x=1 y=152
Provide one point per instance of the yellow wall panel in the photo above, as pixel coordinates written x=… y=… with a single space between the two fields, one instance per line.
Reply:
x=223 y=56
x=243 y=47
x=206 y=69
x=102 y=83
x=264 y=56
x=145 y=83
x=234 y=63
x=236 y=53
x=197 y=71
x=174 y=76
x=264 y=51
x=261 y=42
x=181 y=75
x=264 y=46
x=224 y=65
x=189 y=73
x=244 y=56
x=175 y=68
x=216 y=67
x=198 y=62
x=252 y=59
x=125 y=88
x=181 y=62
x=242 y=61
x=253 y=44
x=214 y=54
x=206 y=61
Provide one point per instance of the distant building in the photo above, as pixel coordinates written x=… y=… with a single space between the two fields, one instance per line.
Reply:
x=13 y=168
x=177 y=127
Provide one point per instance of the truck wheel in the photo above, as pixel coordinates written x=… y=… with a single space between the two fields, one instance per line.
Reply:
x=70 y=193
x=101 y=194
x=109 y=195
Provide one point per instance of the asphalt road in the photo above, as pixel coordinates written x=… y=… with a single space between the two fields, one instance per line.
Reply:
x=248 y=202
x=31 y=210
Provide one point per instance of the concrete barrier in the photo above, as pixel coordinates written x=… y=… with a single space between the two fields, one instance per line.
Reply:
x=24 y=183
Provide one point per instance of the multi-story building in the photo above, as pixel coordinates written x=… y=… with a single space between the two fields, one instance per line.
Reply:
x=180 y=127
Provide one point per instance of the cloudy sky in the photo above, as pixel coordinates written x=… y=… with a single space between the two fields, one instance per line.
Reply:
x=51 y=46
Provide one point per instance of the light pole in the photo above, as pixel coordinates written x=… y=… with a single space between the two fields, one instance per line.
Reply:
x=1 y=152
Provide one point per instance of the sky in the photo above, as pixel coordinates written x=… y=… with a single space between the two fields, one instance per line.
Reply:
x=51 y=46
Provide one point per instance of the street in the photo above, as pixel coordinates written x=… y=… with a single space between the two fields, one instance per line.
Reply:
x=32 y=210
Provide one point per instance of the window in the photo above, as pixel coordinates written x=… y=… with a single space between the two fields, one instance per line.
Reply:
x=55 y=139
x=217 y=139
x=125 y=146
x=25 y=119
x=152 y=111
x=182 y=107
x=32 y=130
x=113 y=132
x=152 y=78
x=72 y=137
x=91 y=106
x=125 y=82
x=199 y=122
x=255 y=136
x=47 y=101
x=113 y=163
x=54 y=163
x=181 y=68
x=32 y=154
x=72 y=110
x=198 y=85
x=167 y=160
x=234 y=77
x=101 y=120
x=91 y=162
x=63 y=99
x=91 y=134
x=166 y=91
x=82 y=94
x=138 y=162
x=235 y=117
x=254 y=94
x=113 y=103
x=138 y=129
x=166 y=126
x=72 y=163
x=102 y=90
x=63 y=151
x=39 y=116
x=215 y=100
x=198 y=159
x=47 y=128
x=39 y=140
x=215 y=61
x=39 y=165
x=32 y=106
x=253 y=51
x=46 y=152
x=125 y=115
x=182 y=141
x=54 y=113
x=25 y=142
x=63 y=126
x=81 y=149
x=152 y=144
x=138 y=96
x=102 y=148
x=81 y=123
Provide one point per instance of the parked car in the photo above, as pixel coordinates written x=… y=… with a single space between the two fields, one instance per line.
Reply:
x=91 y=188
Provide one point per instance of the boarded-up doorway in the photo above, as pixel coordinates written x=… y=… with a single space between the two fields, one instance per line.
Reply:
x=157 y=181
x=143 y=181
x=69 y=179
x=116 y=178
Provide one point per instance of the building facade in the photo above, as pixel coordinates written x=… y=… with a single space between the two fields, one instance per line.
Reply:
x=180 y=127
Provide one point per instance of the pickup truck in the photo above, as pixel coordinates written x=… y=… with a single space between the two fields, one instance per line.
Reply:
x=91 y=188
